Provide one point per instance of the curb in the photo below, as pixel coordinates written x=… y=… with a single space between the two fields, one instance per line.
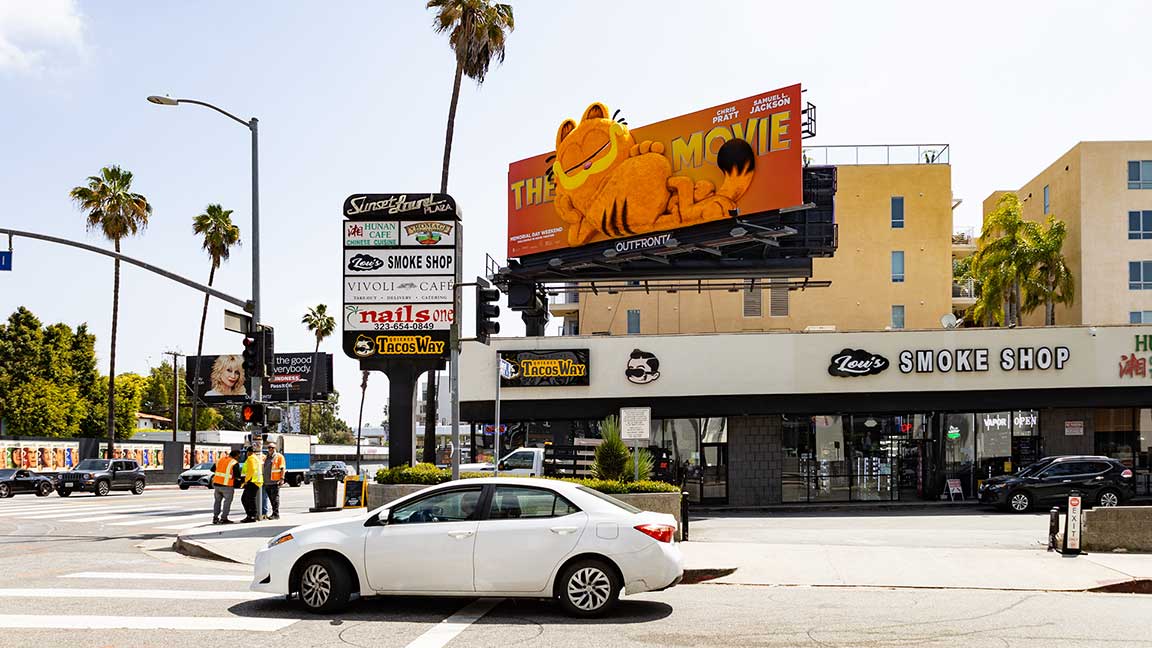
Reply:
x=863 y=507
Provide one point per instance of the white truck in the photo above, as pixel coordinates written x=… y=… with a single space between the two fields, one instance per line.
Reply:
x=521 y=461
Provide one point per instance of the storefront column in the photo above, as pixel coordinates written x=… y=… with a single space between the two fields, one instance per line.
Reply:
x=754 y=460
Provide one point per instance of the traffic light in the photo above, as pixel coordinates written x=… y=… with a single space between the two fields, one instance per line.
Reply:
x=486 y=313
x=267 y=339
x=252 y=413
x=252 y=356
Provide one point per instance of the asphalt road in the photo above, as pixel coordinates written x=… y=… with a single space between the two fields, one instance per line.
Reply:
x=94 y=584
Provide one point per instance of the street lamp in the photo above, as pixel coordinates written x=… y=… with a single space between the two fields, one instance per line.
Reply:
x=252 y=126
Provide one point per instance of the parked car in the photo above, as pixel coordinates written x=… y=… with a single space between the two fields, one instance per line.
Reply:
x=521 y=461
x=331 y=469
x=198 y=475
x=101 y=476
x=1101 y=481
x=14 y=481
x=506 y=537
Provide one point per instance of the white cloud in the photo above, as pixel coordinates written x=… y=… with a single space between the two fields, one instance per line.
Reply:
x=33 y=31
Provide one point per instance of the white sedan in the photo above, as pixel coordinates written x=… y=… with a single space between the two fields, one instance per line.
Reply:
x=507 y=537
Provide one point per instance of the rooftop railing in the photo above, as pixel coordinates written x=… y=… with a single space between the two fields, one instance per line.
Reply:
x=964 y=236
x=877 y=154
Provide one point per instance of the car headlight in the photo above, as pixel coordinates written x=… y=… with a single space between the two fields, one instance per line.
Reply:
x=996 y=486
x=87 y=475
x=279 y=540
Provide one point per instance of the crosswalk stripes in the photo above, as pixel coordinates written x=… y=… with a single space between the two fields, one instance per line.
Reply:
x=159 y=513
x=123 y=576
x=94 y=622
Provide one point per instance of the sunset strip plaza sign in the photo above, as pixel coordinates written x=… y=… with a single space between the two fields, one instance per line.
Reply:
x=399 y=274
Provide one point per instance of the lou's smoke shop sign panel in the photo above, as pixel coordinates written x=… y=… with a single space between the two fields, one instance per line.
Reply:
x=398 y=273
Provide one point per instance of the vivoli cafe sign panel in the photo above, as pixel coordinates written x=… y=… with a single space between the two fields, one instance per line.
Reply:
x=604 y=181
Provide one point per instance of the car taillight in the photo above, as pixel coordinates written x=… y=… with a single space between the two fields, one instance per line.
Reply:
x=658 y=532
x=1127 y=474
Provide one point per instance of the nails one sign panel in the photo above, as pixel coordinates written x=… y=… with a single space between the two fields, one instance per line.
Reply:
x=398 y=317
x=398 y=290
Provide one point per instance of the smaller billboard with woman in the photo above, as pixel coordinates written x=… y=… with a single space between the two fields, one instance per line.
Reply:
x=217 y=379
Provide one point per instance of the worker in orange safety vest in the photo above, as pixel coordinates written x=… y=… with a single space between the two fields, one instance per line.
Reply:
x=224 y=479
x=274 y=469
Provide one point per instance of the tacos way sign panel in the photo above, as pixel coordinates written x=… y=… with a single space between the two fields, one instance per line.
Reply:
x=605 y=182
x=398 y=274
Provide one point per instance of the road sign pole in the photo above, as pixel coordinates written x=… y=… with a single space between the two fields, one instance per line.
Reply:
x=1072 y=525
x=496 y=428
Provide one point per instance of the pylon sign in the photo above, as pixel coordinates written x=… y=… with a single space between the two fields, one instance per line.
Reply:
x=399 y=269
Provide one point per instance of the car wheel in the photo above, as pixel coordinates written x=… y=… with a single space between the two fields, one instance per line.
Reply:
x=44 y=489
x=588 y=588
x=101 y=489
x=325 y=585
x=1108 y=497
x=138 y=487
x=1019 y=502
x=63 y=493
x=5 y=491
x=183 y=486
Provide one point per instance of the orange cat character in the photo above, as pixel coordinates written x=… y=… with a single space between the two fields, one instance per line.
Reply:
x=608 y=184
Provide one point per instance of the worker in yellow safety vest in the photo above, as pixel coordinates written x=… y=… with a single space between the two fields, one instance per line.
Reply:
x=253 y=475
x=274 y=468
x=224 y=478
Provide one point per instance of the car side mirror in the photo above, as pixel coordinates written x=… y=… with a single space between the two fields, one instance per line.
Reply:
x=379 y=519
x=503 y=465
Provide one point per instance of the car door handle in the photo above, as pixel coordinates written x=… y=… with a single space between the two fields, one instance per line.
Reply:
x=1066 y=481
x=563 y=530
x=460 y=534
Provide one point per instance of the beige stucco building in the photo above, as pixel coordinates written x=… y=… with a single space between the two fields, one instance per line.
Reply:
x=1103 y=193
x=892 y=269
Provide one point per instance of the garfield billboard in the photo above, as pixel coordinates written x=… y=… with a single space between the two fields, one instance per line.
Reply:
x=605 y=181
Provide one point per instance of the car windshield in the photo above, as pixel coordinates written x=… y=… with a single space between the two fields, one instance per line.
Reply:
x=1033 y=468
x=93 y=464
x=323 y=465
x=203 y=466
x=611 y=500
x=7 y=474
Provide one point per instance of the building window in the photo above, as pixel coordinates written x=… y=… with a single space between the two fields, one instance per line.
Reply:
x=571 y=326
x=898 y=316
x=753 y=298
x=1139 y=225
x=1140 y=275
x=898 y=266
x=897 y=212
x=1140 y=174
x=778 y=298
x=1047 y=203
x=634 y=322
x=1140 y=317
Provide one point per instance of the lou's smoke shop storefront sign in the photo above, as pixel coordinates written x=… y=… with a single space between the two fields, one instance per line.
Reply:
x=850 y=363
x=399 y=272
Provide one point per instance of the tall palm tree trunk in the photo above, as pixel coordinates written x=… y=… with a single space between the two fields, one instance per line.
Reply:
x=312 y=385
x=1049 y=304
x=451 y=127
x=112 y=354
x=196 y=373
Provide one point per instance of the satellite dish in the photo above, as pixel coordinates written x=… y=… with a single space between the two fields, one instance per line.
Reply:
x=949 y=321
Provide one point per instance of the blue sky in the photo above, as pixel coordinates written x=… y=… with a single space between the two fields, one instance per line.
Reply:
x=352 y=97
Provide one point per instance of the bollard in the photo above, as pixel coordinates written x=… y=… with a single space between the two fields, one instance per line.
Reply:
x=683 y=516
x=1053 y=527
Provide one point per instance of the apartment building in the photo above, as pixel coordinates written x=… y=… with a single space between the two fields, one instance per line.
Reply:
x=1103 y=193
x=892 y=268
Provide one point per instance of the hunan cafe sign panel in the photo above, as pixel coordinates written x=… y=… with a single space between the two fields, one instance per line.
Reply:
x=604 y=181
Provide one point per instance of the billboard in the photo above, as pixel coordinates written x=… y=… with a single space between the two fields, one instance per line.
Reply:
x=222 y=379
x=150 y=456
x=204 y=454
x=39 y=456
x=604 y=181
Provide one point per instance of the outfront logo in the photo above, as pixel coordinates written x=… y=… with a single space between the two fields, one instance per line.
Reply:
x=365 y=263
x=851 y=363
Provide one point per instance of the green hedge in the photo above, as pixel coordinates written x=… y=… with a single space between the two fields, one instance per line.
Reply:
x=429 y=475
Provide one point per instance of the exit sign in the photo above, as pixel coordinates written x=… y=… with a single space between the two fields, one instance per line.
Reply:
x=5 y=260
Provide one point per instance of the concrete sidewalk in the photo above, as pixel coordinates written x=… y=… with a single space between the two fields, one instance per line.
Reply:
x=792 y=564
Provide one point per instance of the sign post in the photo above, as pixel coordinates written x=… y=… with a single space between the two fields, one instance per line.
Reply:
x=504 y=370
x=1072 y=525
x=636 y=425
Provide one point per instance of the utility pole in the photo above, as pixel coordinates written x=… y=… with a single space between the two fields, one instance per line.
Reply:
x=175 y=392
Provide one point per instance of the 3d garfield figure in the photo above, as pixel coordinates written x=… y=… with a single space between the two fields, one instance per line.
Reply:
x=606 y=183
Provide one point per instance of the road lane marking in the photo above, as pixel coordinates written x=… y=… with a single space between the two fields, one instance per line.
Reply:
x=123 y=510
x=154 y=521
x=83 y=622
x=60 y=592
x=155 y=576
x=447 y=630
x=181 y=527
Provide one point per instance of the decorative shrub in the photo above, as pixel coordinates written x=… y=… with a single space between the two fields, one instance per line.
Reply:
x=429 y=475
x=612 y=456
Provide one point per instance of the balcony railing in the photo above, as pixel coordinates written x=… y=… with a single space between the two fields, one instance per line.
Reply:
x=877 y=154
x=964 y=236
x=965 y=289
x=566 y=297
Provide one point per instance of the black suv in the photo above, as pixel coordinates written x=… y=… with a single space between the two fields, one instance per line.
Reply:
x=330 y=469
x=101 y=476
x=1102 y=481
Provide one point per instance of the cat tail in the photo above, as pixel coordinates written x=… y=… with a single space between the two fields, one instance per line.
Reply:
x=738 y=162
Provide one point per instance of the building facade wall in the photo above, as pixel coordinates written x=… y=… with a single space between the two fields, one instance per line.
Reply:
x=862 y=292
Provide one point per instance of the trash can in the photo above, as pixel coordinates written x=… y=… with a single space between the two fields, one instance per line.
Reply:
x=324 y=494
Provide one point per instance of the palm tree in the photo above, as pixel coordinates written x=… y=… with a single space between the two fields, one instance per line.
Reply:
x=218 y=235
x=477 y=30
x=322 y=325
x=112 y=208
x=1051 y=281
x=1002 y=262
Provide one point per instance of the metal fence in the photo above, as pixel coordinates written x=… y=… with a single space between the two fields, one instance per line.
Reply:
x=965 y=288
x=877 y=154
